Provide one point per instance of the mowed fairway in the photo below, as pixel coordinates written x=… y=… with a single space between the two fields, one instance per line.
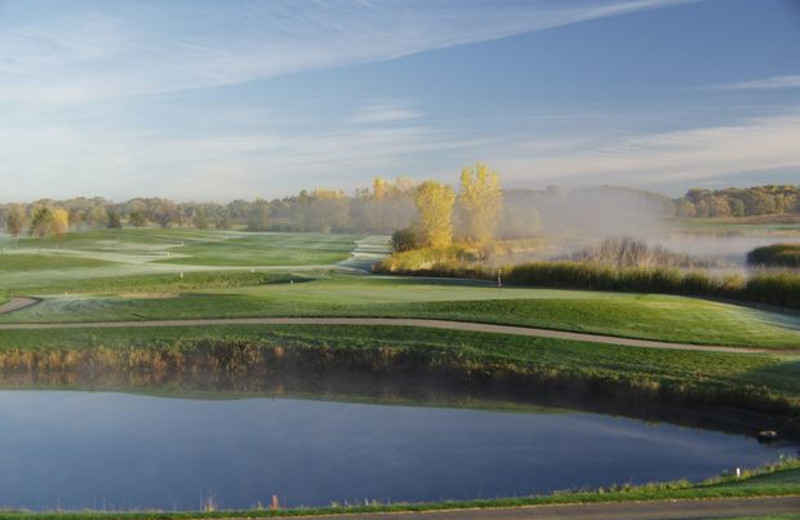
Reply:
x=81 y=259
x=657 y=317
x=286 y=249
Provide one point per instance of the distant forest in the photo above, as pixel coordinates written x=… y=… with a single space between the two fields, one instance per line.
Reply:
x=736 y=202
x=384 y=207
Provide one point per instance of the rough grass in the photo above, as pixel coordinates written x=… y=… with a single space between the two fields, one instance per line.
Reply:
x=659 y=317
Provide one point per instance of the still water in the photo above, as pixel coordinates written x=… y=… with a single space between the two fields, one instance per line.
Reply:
x=73 y=450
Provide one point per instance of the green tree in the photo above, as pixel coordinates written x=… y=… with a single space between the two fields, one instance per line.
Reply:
x=737 y=207
x=97 y=217
x=47 y=221
x=114 y=220
x=405 y=239
x=137 y=218
x=258 y=217
x=481 y=202
x=40 y=222
x=686 y=208
x=434 y=203
x=15 y=222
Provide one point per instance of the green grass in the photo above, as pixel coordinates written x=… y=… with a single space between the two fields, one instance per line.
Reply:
x=789 y=516
x=778 y=373
x=787 y=480
x=142 y=241
x=165 y=282
x=108 y=259
x=30 y=261
x=658 y=317
x=273 y=249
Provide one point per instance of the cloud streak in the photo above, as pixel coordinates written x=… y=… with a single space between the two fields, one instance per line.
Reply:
x=672 y=157
x=773 y=83
x=109 y=50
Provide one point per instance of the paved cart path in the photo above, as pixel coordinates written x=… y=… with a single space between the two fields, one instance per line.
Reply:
x=15 y=304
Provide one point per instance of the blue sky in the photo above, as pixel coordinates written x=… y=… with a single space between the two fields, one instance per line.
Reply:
x=209 y=100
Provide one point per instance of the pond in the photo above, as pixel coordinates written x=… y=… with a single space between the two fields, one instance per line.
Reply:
x=75 y=449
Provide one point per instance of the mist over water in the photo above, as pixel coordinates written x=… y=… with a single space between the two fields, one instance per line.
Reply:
x=570 y=223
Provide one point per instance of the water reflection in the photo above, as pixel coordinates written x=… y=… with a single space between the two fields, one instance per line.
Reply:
x=108 y=450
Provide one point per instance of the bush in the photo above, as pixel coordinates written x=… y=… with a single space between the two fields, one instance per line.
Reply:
x=405 y=240
x=777 y=255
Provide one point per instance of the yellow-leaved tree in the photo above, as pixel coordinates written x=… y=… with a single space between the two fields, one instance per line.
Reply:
x=434 y=202
x=59 y=223
x=481 y=202
x=379 y=187
x=49 y=221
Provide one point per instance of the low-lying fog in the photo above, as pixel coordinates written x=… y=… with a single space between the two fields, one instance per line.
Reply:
x=575 y=222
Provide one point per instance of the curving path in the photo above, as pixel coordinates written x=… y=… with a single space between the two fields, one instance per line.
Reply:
x=15 y=304
x=395 y=322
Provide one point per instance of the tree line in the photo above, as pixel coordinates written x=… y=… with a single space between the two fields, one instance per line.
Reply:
x=478 y=211
x=740 y=202
x=382 y=208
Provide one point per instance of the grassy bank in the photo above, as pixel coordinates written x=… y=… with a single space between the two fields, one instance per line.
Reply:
x=778 y=479
x=542 y=367
x=658 y=317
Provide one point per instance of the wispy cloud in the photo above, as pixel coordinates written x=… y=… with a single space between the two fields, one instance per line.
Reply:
x=773 y=83
x=150 y=47
x=217 y=166
x=673 y=157
x=385 y=112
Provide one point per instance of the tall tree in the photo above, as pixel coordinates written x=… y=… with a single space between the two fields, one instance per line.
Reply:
x=258 y=217
x=15 y=222
x=40 y=222
x=480 y=201
x=434 y=202
x=59 y=224
x=96 y=218
x=47 y=221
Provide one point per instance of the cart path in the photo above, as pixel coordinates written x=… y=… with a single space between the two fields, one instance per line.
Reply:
x=655 y=510
x=463 y=326
x=15 y=304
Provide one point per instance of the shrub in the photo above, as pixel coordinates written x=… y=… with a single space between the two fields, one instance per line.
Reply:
x=776 y=255
x=405 y=240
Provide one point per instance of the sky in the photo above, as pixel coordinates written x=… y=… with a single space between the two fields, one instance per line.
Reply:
x=214 y=101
